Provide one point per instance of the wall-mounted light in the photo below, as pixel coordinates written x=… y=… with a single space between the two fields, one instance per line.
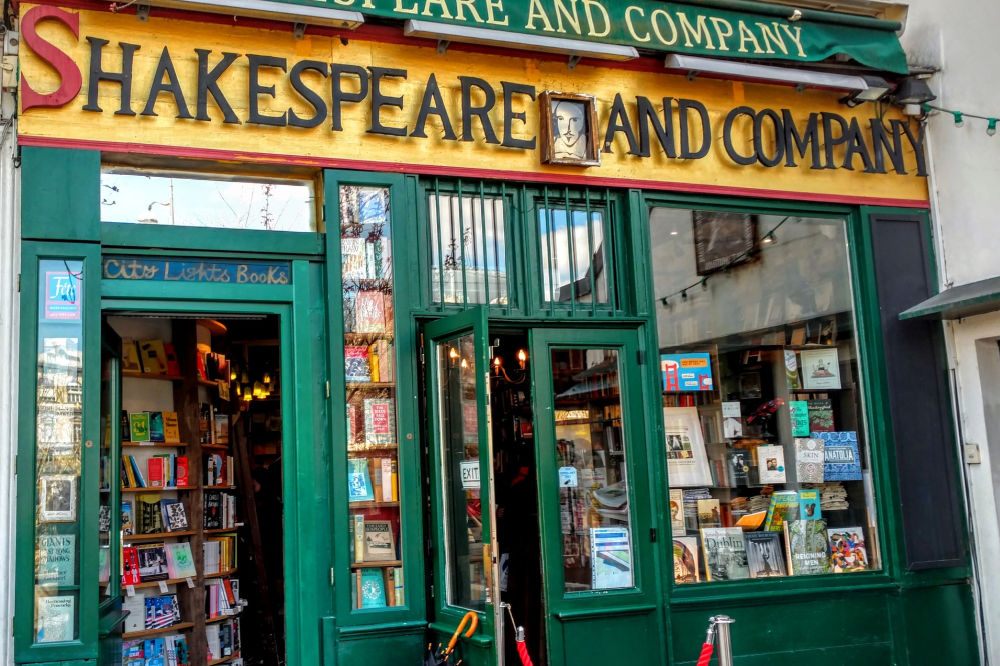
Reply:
x=522 y=358
x=800 y=78
x=269 y=9
x=575 y=48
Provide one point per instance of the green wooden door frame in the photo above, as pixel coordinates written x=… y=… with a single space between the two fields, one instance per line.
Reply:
x=85 y=646
x=609 y=605
x=445 y=615
x=306 y=484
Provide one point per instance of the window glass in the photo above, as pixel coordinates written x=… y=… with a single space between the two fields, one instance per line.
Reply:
x=572 y=255
x=468 y=249
x=768 y=462
x=59 y=430
x=591 y=446
x=206 y=200
x=370 y=381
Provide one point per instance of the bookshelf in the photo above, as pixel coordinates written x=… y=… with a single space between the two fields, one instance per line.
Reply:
x=196 y=462
x=370 y=396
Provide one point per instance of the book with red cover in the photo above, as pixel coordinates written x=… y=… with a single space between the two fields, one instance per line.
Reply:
x=154 y=468
x=130 y=566
x=182 y=471
x=170 y=358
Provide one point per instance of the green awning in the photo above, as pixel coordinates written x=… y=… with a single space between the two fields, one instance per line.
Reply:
x=962 y=301
x=745 y=29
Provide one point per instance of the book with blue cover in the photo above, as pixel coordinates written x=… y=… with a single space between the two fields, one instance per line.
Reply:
x=359 y=485
x=372 y=584
x=841 y=456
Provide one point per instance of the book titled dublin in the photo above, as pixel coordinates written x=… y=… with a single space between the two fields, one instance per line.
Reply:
x=841 y=456
x=725 y=553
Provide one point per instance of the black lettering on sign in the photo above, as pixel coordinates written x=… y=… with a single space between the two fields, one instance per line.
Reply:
x=509 y=116
x=380 y=99
x=165 y=67
x=433 y=103
x=208 y=84
x=122 y=78
x=647 y=116
x=683 y=106
x=482 y=111
x=308 y=94
x=255 y=90
x=338 y=93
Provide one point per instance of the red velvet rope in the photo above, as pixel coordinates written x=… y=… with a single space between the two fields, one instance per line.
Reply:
x=706 y=655
x=522 y=651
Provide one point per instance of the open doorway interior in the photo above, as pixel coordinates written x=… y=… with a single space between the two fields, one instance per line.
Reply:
x=516 y=495
x=202 y=497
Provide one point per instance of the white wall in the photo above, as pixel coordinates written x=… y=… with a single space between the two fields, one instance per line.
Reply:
x=958 y=37
x=10 y=232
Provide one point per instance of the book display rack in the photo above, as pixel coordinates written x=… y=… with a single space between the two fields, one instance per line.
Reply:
x=370 y=387
x=767 y=460
x=180 y=514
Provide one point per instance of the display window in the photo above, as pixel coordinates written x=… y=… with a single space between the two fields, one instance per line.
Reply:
x=767 y=457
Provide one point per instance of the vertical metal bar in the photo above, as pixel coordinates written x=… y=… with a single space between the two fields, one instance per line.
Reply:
x=548 y=245
x=590 y=255
x=609 y=265
x=440 y=253
x=722 y=623
x=486 y=253
x=571 y=248
x=496 y=243
x=461 y=232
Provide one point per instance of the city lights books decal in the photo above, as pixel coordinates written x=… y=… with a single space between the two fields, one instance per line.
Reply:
x=820 y=369
x=610 y=558
x=686 y=372
x=725 y=553
x=847 y=549
x=686 y=559
x=764 y=557
x=687 y=461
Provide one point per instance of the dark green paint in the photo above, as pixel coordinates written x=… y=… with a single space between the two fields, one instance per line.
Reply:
x=890 y=616
x=60 y=194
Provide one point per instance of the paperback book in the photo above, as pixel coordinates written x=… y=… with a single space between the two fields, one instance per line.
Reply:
x=847 y=549
x=152 y=562
x=806 y=547
x=771 y=464
x=380 y=543
x=725 y=553
x=180 y=560
x=809 y=504
x=784 y=506
x=841 y=455
x=809 y=460
x=764 y=556
x=686 y=559
x=359 y=485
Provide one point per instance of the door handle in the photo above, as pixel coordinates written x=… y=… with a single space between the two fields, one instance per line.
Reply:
x=488 y=572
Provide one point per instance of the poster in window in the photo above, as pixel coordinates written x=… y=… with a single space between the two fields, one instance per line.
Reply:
x=722 y=240
x=62 y=296
x=687 y=462
x=54 y=619
x=611 y=558
x=57 y=498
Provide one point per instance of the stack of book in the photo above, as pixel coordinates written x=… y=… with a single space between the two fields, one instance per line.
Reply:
x=162 y=471
x=169 y=650
x=151 y=427
x=833 y=495
x=223 y=639
x=222 y=597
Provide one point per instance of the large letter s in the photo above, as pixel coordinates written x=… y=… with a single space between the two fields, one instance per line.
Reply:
x=72 y=81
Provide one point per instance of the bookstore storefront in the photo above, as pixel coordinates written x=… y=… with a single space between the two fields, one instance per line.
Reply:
x=642 y=364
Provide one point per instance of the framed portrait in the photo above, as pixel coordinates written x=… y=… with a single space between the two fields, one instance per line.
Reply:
x=722 y=240
x=569 y=129
x=57 y=498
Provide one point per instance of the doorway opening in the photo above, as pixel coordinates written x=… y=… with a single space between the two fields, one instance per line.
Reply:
x=201 y=487
x=516 y=494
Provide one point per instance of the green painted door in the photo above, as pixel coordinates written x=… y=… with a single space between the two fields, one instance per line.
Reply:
x=595 y=508
x=463 y=520
x=109 y=522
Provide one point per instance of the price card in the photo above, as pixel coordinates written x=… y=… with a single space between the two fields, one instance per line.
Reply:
x=163 y=586
x=130 y=590
x=190 y=582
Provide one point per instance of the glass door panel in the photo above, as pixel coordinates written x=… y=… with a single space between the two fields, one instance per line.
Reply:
x=590 y=449
x=462 y=478
x=595 y=508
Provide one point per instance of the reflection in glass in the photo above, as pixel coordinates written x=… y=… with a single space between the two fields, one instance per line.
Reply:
x=463 y=520
x=572 y=249
x=468 y=249
x=206 y=200
x=765 y=439
x=593 y=488
x=58 y=434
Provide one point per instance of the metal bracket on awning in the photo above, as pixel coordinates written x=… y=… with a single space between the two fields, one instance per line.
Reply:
x=142 y=10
